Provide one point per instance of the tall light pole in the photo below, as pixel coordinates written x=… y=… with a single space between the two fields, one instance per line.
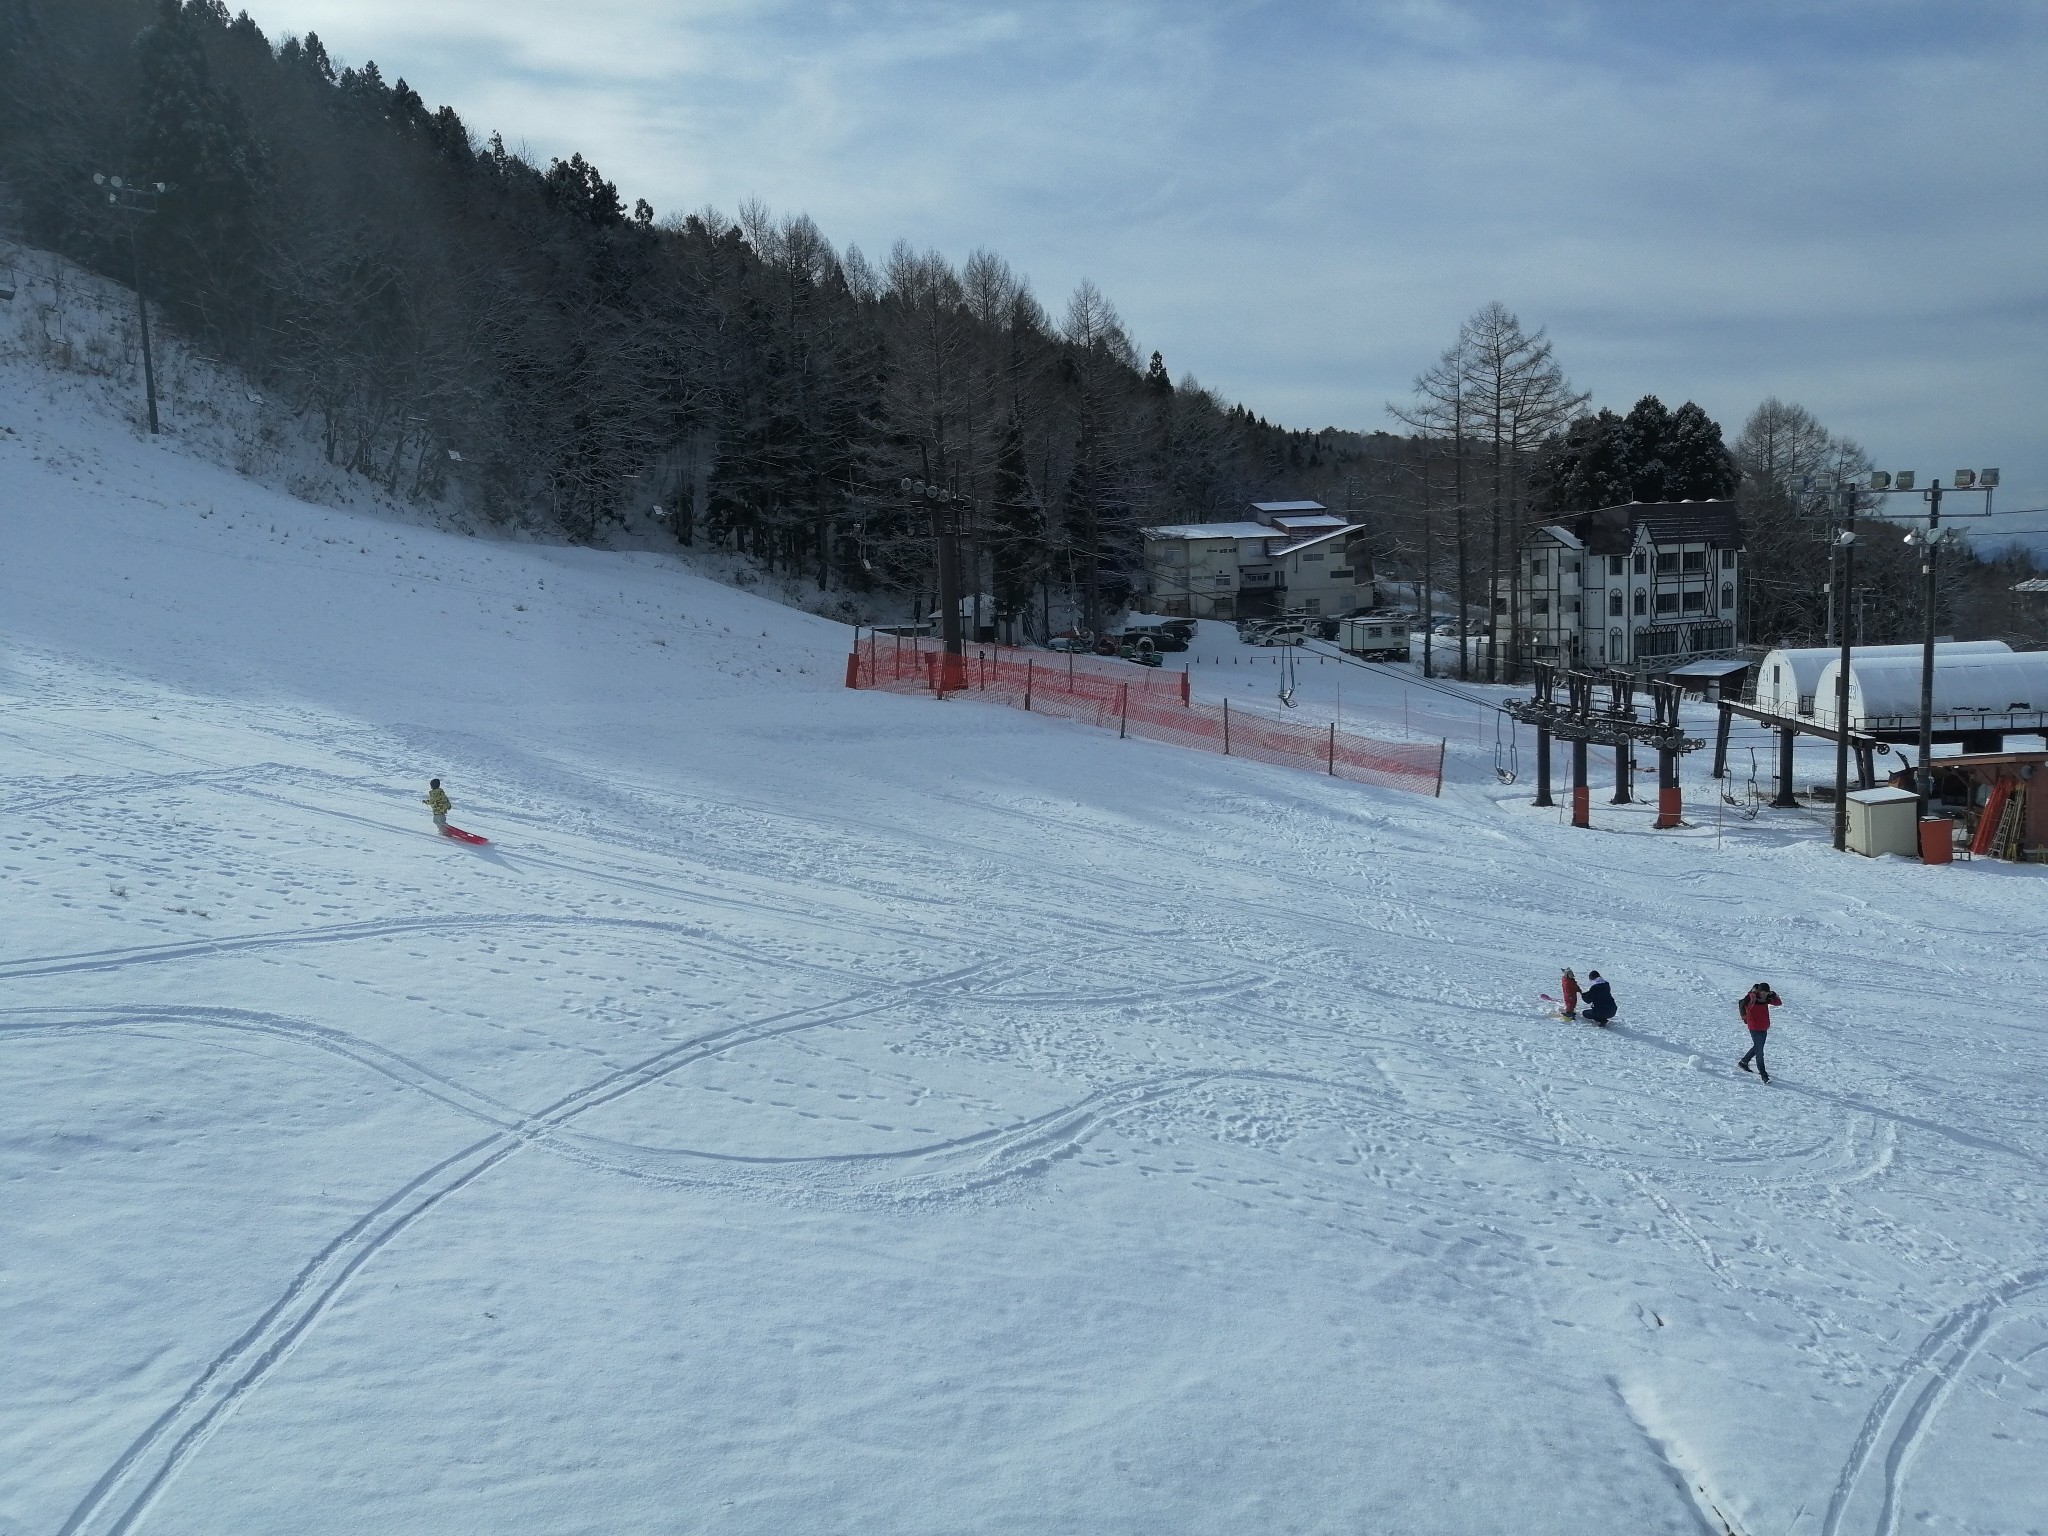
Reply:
x=138 y=200
x=1845 y=543
x=1883 y=483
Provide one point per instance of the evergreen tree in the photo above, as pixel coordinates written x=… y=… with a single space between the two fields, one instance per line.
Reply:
x=1697 y=466
x=1584 y=467
x=1646 y=432
x=1156 y=379
x=1016 y=529
x=191 y=134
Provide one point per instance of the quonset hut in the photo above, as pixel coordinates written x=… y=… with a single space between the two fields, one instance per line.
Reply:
x=1789 y=680
x=1979 y=695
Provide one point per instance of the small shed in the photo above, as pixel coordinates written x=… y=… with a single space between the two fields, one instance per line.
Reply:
x=1884 y=821
x=1788 y=681
x=1719 y=678
x=2001 y=797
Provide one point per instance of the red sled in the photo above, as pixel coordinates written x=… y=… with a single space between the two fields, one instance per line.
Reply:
x=464 y=837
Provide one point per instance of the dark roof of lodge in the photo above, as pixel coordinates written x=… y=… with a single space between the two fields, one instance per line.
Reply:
x=1612 y=530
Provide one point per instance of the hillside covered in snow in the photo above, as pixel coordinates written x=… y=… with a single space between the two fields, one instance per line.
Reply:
x=820 y=1111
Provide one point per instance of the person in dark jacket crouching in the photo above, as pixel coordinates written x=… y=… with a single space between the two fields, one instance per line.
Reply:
x=1598 y=1003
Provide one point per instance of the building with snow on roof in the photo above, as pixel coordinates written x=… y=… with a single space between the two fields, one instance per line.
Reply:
x=1788 y=680
x=1288 y=556
x=1979 y=695
x=1644 y=586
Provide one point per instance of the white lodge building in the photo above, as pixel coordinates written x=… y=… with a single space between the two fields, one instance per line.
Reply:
x=1294 y=556
x=1644 y=586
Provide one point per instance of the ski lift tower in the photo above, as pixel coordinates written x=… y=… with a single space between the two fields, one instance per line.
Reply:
x=1584 y=719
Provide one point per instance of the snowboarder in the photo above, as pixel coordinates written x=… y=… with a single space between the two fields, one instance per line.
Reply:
x=1755 y=1008
x=1600 y=1004
x=437 y=801
x=1570 y=984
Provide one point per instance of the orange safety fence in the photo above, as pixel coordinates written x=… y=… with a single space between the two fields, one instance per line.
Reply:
x=1138 y=701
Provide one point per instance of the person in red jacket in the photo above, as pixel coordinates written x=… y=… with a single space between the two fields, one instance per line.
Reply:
x=1570 y=985
x=1755 y=1008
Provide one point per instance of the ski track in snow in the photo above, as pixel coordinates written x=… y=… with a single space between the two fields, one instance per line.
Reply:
x=1901 y=1419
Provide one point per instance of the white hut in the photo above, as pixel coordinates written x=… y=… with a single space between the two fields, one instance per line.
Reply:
x=1789 y=680
x=1974 y=691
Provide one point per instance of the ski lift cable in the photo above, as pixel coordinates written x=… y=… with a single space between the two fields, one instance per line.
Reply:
x=1434 y=685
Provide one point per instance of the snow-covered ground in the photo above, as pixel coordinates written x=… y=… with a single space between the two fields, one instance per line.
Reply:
x=819 y=1111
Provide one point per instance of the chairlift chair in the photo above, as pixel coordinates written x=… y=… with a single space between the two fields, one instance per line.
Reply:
x=1751 y=803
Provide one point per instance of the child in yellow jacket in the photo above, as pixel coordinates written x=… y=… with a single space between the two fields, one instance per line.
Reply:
x=437 y=801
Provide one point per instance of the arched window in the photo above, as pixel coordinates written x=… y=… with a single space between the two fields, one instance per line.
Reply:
x=1727 y=595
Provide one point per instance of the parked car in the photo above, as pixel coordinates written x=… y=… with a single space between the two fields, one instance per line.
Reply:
x=1280 y=632
x=1164 y=637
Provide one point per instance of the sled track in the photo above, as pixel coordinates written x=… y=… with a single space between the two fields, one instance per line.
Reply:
x=850 y=1172
x=149 y=1464
x=695 y=935
x=1910 y=1402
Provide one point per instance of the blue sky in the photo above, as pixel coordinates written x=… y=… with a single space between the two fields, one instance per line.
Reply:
x=1843 y=204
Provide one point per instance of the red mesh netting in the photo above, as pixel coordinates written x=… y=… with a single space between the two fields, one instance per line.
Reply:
x=1138 y=701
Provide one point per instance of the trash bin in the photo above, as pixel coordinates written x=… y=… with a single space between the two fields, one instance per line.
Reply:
x=1937 y=840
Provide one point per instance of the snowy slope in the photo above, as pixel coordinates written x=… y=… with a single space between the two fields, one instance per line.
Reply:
x=820 y=1111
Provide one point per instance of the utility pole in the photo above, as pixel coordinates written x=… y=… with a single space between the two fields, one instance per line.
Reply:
x=139 y=201
x=945 y=508
x=1924 y=779
x=1845 y=542
x=1882 y=482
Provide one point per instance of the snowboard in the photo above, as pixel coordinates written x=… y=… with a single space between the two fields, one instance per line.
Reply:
x=465 y=837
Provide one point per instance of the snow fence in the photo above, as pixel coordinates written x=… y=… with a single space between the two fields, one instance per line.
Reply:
x=1138 y=701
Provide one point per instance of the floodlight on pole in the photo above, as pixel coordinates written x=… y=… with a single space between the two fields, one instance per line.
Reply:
x=139 y=201
x=1929 y=543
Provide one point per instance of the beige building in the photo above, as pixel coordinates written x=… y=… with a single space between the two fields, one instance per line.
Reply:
x=1288 y=557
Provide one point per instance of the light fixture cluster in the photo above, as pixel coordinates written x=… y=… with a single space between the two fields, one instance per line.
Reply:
x=1906 y=480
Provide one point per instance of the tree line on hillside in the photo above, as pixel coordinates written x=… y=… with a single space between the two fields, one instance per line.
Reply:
x=419 y=294
x=416 y=293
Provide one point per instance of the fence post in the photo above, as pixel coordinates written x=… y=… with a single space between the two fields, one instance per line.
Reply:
x=1333 y=749
x=1184 y=688
x=1123 y=714
x=1226 y=727
x=853 y=667
x=1027 y=682
x=1442 y=747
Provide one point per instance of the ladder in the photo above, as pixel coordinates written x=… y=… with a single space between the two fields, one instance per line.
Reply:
x=1992 y=825
x=2010 y=825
